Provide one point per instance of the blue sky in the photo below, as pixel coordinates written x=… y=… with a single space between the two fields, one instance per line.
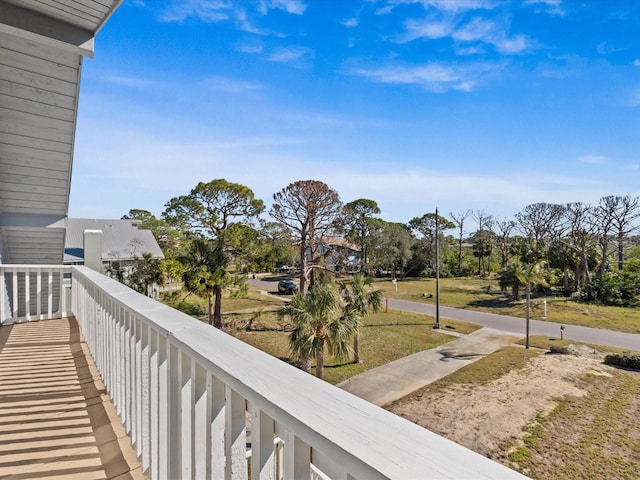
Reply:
x=456 y=104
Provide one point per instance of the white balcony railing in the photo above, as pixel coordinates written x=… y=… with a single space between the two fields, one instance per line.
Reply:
x=34 y=292
x=191 y=397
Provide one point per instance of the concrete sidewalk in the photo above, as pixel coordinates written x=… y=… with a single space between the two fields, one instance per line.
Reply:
x=390 y=382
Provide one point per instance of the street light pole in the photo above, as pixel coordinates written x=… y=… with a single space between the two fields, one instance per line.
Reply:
x=437 y=325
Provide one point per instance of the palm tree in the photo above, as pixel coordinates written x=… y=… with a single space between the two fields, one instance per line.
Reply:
x=319 y=320
x=204 y=272
x=359 y=299
x=530 y=275
x=147 y=273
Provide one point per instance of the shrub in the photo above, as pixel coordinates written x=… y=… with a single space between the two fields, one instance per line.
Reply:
x=617 y=288
x=625 y=360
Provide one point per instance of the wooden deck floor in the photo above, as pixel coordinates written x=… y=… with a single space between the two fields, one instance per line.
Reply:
x=56 y=420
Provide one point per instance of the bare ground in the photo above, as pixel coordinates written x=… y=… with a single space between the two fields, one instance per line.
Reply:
x=584 y=415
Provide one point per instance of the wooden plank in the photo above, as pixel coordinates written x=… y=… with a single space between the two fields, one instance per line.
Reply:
x=26 y=92
x=39 y=50
x=33 y=106
x=33 y=197
x=21 y=123
x=33 y=207
x=29 y=157
x=41 y=81
x=86 y=14
x=30 y=189
x=40 y=232
x=28 y=175
x=35 y=143
x=30 y=63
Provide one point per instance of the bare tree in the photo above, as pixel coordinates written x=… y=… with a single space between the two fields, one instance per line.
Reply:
x=504 y=227
x=309 y=209
x=603 y=218
x=483 y=246
x=625 y=212
x=581 y=233
x=542 y=223
x=458 y=221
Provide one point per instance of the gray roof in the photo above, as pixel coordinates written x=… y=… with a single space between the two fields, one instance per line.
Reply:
x=121 y=239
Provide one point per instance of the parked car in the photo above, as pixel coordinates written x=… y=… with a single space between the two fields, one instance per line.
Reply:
x=287 y=287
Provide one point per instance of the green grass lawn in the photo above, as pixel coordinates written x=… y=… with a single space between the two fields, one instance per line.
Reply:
x=384 y=337
x=485 y=295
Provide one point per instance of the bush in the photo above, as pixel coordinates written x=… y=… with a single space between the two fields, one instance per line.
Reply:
x=625 y=360
x=617 y=288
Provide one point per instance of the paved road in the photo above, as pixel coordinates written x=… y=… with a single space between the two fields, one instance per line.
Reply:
x=516 y=325
x=629 y=341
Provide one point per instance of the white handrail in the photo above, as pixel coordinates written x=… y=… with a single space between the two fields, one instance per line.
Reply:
x=33 y=292
x=184 y=390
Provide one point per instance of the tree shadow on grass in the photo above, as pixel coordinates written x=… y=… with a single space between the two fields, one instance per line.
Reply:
x=399 y=324
x=492 y=303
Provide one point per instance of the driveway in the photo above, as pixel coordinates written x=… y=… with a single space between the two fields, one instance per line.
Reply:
x=394 y=380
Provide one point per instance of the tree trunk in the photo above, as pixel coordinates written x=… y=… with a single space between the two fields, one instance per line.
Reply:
x=603 y=263
x=620 y=251
x=356 y=347
x=210 y=305
x=320 y=362
x=527 y=315
x=587 y=275
x=217 y=314
x=303 y=268
x=305 y=364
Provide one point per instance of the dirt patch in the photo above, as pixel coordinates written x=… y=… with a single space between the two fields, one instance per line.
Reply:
x=490 y=418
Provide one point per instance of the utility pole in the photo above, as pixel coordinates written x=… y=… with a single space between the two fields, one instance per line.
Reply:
x=437 y=325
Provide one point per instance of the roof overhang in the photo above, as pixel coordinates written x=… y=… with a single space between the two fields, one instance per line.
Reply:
x=42 y=45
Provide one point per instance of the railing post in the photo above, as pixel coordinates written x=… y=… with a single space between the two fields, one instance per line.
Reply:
x=217 y=393
x=202 y=423
x=154 y=410
x=262 y=449
x=186 y=416
x=236 y=436
x=297 y=457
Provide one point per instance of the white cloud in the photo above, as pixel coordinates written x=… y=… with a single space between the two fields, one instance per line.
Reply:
x=516 y=44
x=592 y=159
x=290 y=54
x=129 y=81
x=476 y=29
x=604 y=48
x=295 y=7
x=251 y=47
x=457 y=6
x=208 y=11
x=427 y=28
x=434 y=77
x=227 y=84
x=552 y=7
x=244 y=24
x=351 y=22
x=634 y=100
x=636 y=62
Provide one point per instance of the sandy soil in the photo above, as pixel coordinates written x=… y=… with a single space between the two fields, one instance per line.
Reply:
x=491 y=417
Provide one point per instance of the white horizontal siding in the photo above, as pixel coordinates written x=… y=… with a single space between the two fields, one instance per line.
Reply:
x=87 y=14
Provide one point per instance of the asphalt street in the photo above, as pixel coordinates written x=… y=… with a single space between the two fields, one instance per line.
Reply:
x=628 y=341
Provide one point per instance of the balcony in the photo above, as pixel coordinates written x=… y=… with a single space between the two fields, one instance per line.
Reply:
x=197 y=403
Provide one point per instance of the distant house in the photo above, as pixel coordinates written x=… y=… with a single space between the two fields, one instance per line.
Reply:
x=121 y=244
x=341 y=255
